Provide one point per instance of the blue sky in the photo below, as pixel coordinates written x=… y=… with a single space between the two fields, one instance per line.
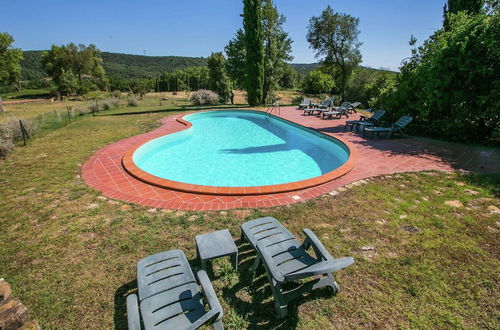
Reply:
x=199 y=27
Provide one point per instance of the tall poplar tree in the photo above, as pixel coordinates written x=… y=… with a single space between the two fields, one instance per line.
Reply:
x=254 y=46
x=454 y=6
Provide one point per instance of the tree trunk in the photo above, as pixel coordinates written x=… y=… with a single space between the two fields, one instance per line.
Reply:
x=2 y=109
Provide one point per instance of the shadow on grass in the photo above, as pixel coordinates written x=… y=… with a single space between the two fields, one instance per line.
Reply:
x=489 y=182
x=120 y=314
x=257 y=311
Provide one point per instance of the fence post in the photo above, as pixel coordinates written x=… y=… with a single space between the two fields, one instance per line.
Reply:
x=68 y=109
x=23 y=131
x=2 y=109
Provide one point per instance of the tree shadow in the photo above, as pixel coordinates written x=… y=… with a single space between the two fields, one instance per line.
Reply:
x=458 y=156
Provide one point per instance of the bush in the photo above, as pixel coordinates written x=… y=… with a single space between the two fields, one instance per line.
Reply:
x=297 y=100
x=450 y=84
x=317 y=82
x=116 y=93
x=10 y=132
x=132 y=102
x=204 y=96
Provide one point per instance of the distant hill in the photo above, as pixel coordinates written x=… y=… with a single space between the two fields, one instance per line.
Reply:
x=127 y=66
x=118 y=65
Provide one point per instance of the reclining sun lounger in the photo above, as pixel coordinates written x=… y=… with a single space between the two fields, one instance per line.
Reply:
x=353 y=107
x=306 y=103
x=397 y=127
x=365 y=121
x=287 y=260
x=338 y=112
x=169 y=297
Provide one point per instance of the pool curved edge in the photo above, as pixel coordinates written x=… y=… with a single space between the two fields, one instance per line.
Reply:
x=132 y=169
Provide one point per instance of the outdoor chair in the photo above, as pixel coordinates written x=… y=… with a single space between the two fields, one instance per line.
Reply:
x=169 y=297
x=397 y=127
x=306 y=103
x=287 y=260
x=353 y=107
x=338 y=112
x=365 y=121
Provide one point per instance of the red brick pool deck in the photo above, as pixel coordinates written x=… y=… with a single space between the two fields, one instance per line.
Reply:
x=105 y=173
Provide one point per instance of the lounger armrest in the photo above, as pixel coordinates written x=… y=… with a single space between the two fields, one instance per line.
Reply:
x=312 y=240
x=267 y=259
x=133 y=318
x=363 y=118
x=322 y=267
x=209 y=293
x=203 y=320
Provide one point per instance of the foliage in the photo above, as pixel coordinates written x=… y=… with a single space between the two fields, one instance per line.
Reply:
x=10 y=58
x=277 y=48
x=236 y=59
x=218 y=79
x=317 y=82
x=204 y=96
x=192 y=78
x=365 y=85
x=254 y=47
x=62 y=63
x=334 y=37
x=132 y=102
x=289 y=77
x=451 y=85
x=10 y=133
x=140 y=87
x=454 y=6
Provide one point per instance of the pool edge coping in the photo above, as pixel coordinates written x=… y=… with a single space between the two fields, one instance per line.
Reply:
x=132 y=169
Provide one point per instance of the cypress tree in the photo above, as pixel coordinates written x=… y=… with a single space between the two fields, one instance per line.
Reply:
x=454 y=6
x=254 y=45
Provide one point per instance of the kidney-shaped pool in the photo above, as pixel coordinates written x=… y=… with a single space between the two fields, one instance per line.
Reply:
x=239 y=152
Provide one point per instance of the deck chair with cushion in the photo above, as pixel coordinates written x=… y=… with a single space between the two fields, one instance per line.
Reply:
x=338 y=112
x=319 y=107
x=365 y=121
x=286 y=260
x=397 y=127
x=169 y=297
x=306 y=103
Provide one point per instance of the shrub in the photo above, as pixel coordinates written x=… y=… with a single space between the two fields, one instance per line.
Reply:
x=132 y=102
x=105 y=106
x=93 y=107
x=204 y=96
x=317 y=82
x=450 y=84
x=116 y=93
x=297 y=100
x=6 y=147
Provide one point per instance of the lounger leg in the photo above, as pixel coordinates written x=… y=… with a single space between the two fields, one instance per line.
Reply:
x=218 y=325
x=255 y=265
x=280 y=303
x=234 y=260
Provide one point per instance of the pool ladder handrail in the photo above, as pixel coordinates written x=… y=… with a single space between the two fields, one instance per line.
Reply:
x=275 y=106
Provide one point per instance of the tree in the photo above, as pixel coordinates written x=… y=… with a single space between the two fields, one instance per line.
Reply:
x=254 y=46
x=10 y=70
x=236 y=59
x=218 y=80
x=84 y=62
x=277 y=48
x=450 y=85
x=317 y=82
x=454 y=6
x=334 y=36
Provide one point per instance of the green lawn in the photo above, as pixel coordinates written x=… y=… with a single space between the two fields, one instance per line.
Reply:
x=70 y=254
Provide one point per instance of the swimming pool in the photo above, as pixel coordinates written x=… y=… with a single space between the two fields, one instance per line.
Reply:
x=238 y=152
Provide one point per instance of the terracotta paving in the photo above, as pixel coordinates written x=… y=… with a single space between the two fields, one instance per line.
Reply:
x=378 y=156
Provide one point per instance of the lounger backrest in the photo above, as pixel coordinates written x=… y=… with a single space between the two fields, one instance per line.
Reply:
x=355 y=104
x=377 y=115
x=345 y=105
x=403 y=121
x=306 y=101
x=162 y=271
x=327 y=102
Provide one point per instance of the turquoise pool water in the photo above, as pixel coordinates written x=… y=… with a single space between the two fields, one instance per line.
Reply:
x=240 y=149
